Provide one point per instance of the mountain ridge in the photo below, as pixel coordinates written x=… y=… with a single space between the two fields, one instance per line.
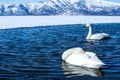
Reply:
x=62 y=7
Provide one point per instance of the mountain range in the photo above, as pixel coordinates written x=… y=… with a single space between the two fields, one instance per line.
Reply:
x=62 y=7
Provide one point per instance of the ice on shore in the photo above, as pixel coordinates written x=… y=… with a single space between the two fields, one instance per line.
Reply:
x=32 y=21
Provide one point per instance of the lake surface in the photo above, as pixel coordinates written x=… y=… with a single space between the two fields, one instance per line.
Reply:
x=35 y=53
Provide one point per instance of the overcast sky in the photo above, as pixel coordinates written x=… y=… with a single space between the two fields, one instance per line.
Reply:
x=26 y=1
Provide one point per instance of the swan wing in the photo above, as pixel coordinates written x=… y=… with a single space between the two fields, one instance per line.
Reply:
x=78 y=59
x=94 y=57
x=99 y=36
x=105 y=34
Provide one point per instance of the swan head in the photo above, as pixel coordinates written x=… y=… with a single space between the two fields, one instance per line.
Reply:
x=79 y=50
x=87 y=25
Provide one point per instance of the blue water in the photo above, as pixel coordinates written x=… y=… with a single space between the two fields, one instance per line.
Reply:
x=35 y=53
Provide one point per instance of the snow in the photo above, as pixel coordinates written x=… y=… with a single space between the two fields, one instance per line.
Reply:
x=74 y=1
x=32 y=21
x=62 y=7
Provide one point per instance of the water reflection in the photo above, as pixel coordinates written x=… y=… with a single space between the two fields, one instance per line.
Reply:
x=72 y=70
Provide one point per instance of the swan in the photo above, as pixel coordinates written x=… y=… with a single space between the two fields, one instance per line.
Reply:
x=98 y=36
x=76 y=56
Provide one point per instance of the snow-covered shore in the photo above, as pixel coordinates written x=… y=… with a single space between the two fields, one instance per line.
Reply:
x=32 y=21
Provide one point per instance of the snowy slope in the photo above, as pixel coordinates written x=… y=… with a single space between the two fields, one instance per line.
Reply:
x=32 y=21
x=62 y=7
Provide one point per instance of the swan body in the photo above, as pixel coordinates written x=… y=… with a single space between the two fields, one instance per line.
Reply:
x=76 y=56
x=98 y=36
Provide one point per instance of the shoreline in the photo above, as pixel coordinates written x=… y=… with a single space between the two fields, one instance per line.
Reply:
x=7 y=22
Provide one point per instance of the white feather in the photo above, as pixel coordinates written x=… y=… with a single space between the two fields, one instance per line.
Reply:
x=75 y=56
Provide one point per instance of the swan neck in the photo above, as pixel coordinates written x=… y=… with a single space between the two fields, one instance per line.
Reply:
x=89 y=33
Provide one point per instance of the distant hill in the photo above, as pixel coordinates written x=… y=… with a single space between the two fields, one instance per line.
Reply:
x=62 y=7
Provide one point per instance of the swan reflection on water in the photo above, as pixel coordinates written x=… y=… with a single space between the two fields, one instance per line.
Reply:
x=73 y=70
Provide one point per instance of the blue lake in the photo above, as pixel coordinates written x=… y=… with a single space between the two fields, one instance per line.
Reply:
x=35 y=53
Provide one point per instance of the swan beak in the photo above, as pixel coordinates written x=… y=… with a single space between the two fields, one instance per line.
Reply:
x=83 y=52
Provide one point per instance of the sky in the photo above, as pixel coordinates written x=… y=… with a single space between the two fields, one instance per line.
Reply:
x=27 y=1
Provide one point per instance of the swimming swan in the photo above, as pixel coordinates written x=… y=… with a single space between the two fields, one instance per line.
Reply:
x=76 y=56
x=97 y=36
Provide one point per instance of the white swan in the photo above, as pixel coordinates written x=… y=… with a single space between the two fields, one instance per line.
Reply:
x=97 y=36
x=76 y=56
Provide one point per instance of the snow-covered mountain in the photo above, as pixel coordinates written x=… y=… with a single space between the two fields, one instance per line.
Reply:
x=62 y=7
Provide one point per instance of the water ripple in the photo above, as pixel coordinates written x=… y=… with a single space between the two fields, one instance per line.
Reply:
x=35 y=53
